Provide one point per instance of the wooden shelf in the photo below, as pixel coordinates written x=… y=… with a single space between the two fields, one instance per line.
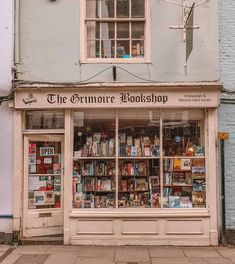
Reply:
x=177 y=185
x=94 y=158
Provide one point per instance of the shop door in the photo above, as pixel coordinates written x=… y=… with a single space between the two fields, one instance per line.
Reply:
x=43 y=186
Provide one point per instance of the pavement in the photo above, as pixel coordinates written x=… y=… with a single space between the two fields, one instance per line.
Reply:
x=58 y=254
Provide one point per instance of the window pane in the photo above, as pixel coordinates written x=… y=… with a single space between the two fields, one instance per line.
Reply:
x=107 y=48
x=93 y=30
x=107 y=30
x=137 y=30
x=122 y=8
x=94 y=131
x=139 y=178
x=184 y=183
x=138 y=8
x=44 y=190
x=92 y=8
x=44 y=119
x=123 y=30
x=107 y=8
x=183 y=133
x=123 y=49
x=93 y=49
x=94 y=179
x=137 y=49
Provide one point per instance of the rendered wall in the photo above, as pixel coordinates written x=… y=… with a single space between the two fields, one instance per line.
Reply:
x=49 y=44
x=227 y=110
x=6 y=116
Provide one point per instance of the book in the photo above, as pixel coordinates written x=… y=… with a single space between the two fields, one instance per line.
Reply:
x=199 y=185
x=198 y=172
x=122 y=138
x=129 y=140
x=133 y=151
x=96 y=137
x=199 y=151
x=174 y=202
x=185 y=202
x=123 y=185
x=185 y=164
x=177 y=164
x=199 y=199
x=178 y=178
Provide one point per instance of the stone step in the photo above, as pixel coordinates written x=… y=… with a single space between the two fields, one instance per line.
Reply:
x=43 y=240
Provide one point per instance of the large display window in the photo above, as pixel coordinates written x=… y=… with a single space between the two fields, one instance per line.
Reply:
x=139 y=158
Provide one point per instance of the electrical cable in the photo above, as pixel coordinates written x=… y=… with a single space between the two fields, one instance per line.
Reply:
x=143 y=79
x=174 y=3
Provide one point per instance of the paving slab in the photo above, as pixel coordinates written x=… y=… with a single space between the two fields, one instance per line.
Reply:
x=62 y=257
x=166 y=252
x=32 y=259
x=217 y=260
x=201 y=252
x=4 y=248
x=95 y=261
x=134 y=254
x=197 y=261
x=60 y=248
x=227 y=252
x=97 y=251
x=34 y=249
x=170 y=261
x=11 y=259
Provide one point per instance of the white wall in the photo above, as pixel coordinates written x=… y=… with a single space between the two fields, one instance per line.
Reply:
x=50 y=33
x=6 y=115
x=6 y=44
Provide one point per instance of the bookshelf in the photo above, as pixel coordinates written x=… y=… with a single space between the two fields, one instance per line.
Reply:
x=184 y=182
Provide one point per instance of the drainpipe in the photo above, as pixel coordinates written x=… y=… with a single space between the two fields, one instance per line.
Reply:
x=17 y=40
x=223 y=212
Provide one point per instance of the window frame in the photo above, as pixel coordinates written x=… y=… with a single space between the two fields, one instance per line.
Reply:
x=161 y=158
x=83 y=45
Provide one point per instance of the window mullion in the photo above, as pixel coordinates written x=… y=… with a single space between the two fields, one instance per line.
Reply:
x=100 y=46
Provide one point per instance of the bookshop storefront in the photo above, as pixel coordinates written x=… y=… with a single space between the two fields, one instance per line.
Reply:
x=111 y=167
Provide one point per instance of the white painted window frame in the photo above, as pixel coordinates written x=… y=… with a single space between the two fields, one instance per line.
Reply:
x=83 y=46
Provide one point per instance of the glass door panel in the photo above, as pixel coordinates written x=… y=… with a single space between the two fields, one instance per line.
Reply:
x=44 y=175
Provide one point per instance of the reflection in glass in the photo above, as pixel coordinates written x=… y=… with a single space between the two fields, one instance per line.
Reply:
x=107 y=30
x=137 y=29
x=137 y=8
x=93 y=30
x=107 y=48
x=123 y=49
x=122 y=8
x=123 y=30
x=107 y=8
x=93 y=48
x=137 y=49
x=41 y=119
x=92 y=8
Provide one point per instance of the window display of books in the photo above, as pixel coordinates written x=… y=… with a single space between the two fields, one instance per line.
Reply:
x=94 y=145
x=139 y=183
x=182 y=138
x=139 y=146
x=184 y=184
x=93 y=183
x=120 y=159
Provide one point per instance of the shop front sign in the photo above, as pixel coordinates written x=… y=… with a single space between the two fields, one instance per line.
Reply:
x=74 y=99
